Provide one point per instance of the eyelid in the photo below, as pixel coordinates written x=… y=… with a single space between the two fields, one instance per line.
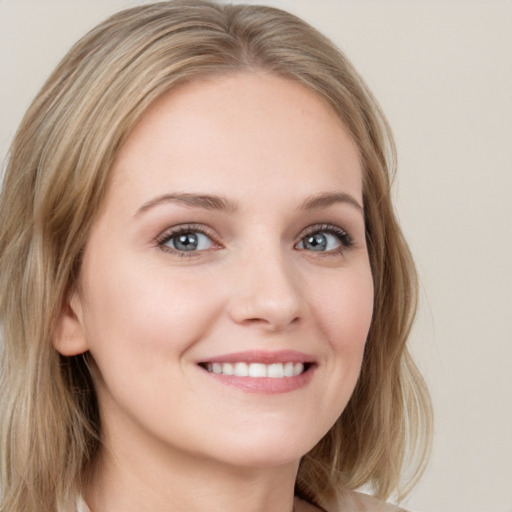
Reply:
x=346 y=240
x=185 y=228
x=315 y=228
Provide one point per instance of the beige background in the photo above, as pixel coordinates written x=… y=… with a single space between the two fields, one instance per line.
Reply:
x=443 y=73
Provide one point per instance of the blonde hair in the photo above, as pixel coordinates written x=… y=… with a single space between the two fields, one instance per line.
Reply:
x=56 y=176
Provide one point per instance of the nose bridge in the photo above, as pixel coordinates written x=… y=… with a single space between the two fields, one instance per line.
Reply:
x=267 y=292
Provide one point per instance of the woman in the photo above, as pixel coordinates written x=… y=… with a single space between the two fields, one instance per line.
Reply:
x=205 y=294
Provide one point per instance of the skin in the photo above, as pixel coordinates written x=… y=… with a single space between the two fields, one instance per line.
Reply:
x=175 y=438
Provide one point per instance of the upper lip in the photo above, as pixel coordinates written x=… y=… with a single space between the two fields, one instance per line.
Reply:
x=264 y=357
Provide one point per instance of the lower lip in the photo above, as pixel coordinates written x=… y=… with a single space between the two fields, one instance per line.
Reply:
x=265 y=385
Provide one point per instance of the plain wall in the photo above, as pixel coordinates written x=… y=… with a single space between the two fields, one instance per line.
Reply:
x=442 y=71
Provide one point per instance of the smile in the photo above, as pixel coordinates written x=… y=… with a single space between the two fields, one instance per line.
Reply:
x=264 y=372
x=257 y=370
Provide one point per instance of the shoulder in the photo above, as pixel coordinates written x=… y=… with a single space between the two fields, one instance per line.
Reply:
x=352 y=501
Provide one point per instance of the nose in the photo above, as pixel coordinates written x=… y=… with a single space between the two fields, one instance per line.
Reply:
x=267 y=294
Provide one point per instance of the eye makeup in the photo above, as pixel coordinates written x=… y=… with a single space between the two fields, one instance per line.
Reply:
x=190 y=240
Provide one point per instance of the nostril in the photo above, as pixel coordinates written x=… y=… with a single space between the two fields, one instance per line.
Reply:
x=273 y=323
x=266 y=307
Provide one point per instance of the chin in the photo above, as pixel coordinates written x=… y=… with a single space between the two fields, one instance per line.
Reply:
x=269 y=449
x=262 y=457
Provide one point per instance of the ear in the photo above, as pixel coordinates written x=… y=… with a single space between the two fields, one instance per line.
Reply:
x=69 y=333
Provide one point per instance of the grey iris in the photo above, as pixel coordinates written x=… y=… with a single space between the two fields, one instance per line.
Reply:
x=316 y=242
x=186 y=242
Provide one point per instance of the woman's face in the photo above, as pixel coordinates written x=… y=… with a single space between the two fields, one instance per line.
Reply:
x=226 y=292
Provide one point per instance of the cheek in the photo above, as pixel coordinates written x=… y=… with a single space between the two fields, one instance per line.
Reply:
x=342 y=307
x=147 y=314
x=345 y=308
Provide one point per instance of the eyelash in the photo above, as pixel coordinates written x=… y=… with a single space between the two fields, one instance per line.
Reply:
x=344 y=238
x=168 y=235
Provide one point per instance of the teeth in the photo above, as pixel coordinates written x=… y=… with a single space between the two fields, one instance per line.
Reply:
x=274 y=371
x=298 y=368
x=288 y=369
x=241 y=370
x=227 y=369
x=257 y=370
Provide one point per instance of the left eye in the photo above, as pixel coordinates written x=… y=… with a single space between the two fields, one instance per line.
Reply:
x=320 y=241
x=188 y=241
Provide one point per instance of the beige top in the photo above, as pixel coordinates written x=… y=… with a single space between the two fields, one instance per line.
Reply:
x=348 y=501
x=351 y=501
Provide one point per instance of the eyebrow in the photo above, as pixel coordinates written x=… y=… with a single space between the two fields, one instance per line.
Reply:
x=324 y=200
x=219 y=203
x=208 y=202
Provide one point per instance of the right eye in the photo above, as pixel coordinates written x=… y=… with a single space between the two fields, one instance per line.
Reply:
x=186 y=239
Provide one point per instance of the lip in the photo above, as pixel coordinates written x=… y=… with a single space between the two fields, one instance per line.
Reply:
x=265 y=357
x=263 y=385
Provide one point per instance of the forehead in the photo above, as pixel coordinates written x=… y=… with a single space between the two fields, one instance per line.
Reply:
x=245 y=128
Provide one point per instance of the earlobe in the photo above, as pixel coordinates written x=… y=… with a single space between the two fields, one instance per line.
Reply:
x=69 y=334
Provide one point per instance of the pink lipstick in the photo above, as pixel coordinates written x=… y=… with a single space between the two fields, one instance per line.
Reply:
x=262 y=372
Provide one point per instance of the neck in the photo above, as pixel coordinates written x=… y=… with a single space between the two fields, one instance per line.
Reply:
x=149 y=481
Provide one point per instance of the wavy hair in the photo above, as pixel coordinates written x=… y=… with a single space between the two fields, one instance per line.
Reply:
x=56 y=175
